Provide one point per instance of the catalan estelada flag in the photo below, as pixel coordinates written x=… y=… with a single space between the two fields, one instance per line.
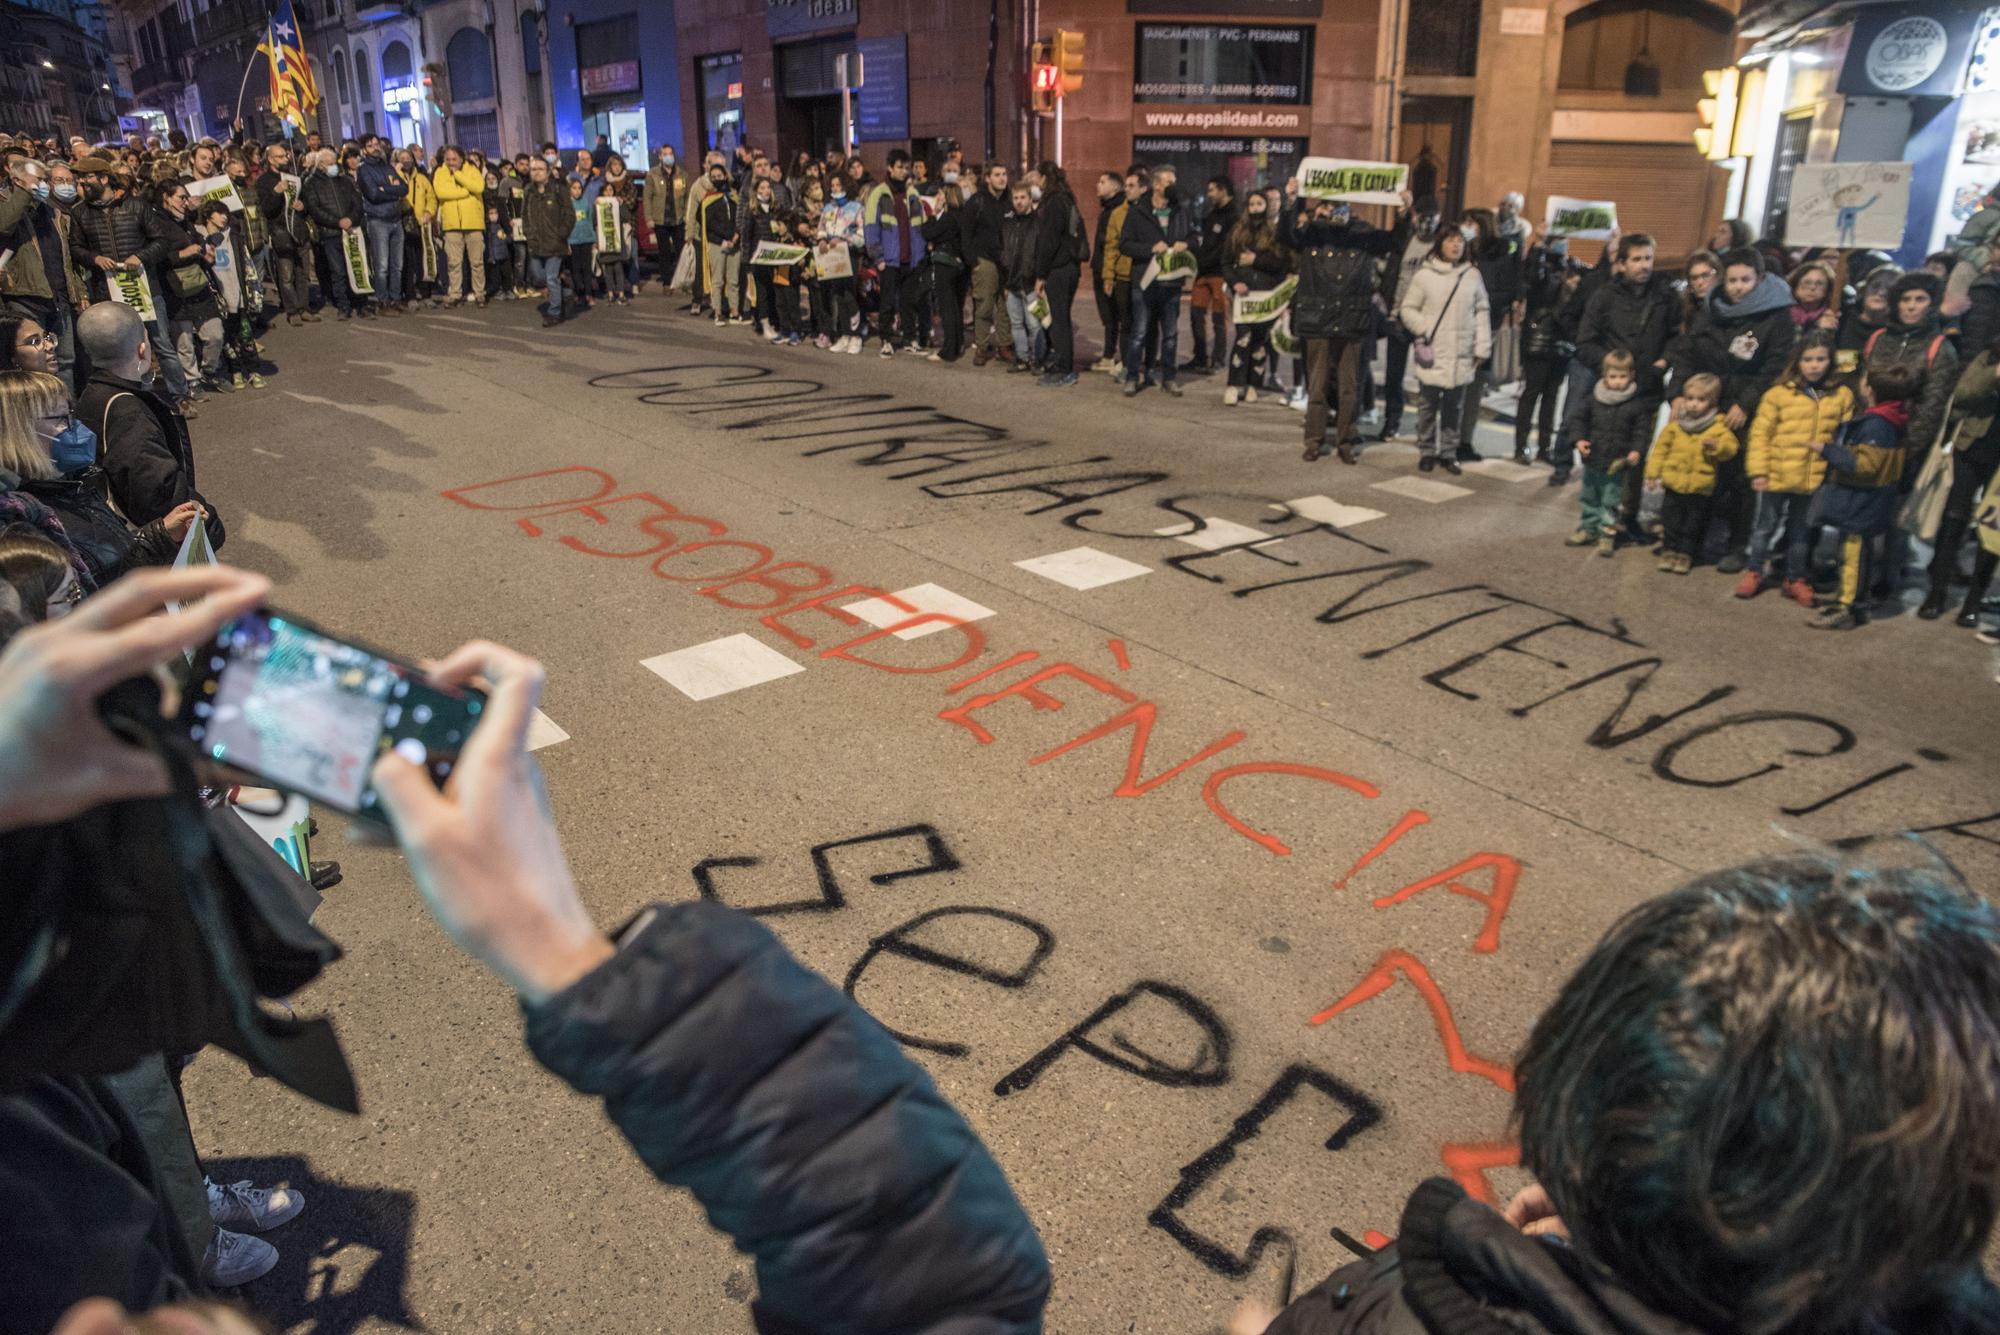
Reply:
x=294 y=94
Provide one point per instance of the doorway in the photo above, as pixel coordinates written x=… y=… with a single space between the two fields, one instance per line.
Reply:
x=1435 y=140
x=624 y=127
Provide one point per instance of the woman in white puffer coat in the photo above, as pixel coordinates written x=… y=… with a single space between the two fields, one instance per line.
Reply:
x=1444 y=304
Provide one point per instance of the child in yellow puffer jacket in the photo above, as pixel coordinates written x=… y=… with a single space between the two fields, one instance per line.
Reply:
x=1684 y=460
x=1803 y=410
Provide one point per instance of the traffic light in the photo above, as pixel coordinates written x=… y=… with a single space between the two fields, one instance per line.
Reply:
x=1715 y=139
x=1043 y=80
x=437 y=88
x=1068 y=55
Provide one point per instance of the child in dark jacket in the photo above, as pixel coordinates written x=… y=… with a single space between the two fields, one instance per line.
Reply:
x=1615 y=426
x=1863 y=489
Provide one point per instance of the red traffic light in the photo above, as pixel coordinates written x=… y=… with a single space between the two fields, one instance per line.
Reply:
x=1047 y=78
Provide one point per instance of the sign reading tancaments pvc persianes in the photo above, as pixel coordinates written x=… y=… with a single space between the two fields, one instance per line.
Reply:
x=1353 y=182
x=1583 y=219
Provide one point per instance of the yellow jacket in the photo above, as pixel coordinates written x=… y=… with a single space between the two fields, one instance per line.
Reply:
x=423 y=199
x=461 y=195
x=1685 y=461
x=1789 y=420
x=1114 y=265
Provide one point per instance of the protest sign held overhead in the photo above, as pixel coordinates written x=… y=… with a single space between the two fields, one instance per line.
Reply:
x=1580 y=219
x=1352 y=182
x=1849 y=205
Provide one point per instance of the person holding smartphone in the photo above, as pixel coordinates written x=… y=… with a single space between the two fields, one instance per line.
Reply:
x=784 y=1105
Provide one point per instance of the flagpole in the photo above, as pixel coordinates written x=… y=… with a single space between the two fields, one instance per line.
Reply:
x=244 y=87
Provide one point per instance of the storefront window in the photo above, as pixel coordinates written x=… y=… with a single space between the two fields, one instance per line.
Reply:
x=721 y=84
x=1203 y=62
x=1248 y=164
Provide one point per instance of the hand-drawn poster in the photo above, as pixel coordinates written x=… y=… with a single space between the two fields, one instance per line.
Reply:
x=1849 y=205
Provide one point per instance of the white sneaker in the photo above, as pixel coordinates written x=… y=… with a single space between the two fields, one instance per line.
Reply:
x=1249 y=393
x=854 y=345
x=935 y=356
x=233 y=1258
x=772 y=336
x=888 y=349
x=240 y=1205
x=1229 y=397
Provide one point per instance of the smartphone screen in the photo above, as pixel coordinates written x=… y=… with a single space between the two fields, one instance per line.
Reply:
x=278 y=698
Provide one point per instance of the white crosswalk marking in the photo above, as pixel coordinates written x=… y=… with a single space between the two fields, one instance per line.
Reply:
x=732 y=663
x=1326 y=510
x=880 y=612
x=1083 y=568
x=1422 y=489
x=1216 y=534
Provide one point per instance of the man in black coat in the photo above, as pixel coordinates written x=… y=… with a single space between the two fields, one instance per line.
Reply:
x=1333 y=312
x=285 y=214
x=333 y=199
x=142 y=441
x=992 y=330
x=1635 y=311
x=1210 y=295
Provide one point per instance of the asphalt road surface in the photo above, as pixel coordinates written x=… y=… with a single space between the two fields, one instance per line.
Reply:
x=1219 y=901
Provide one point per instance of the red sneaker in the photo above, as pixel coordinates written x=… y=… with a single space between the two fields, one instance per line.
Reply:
x=1751 y=584
x=1799 y=592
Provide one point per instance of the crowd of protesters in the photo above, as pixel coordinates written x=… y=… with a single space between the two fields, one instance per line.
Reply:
x=1853 y=402
x=1766 y=398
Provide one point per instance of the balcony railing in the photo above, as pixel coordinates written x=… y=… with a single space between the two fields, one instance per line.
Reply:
x=158 y=74
x=229 y=18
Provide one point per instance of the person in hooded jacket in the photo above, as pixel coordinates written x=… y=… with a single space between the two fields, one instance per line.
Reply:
x=1979 y=324
x=1743 y=337
x=1837 y=1004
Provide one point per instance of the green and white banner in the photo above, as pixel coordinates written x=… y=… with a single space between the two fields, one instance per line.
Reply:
x=216 y=187
x=778 y=253
x=1583 y=219
x=1352 y=181
x=1172 y=266
x=1281 y=337
x=355 y=248
x=135 y=291
x=1264 y=307
x=1038 y=310
x=610 y=235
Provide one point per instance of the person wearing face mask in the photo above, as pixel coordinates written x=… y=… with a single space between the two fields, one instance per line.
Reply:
x=37 y=281
x=697 y=199
x=1104 y=270
x=1424 y=222
x=144 y=448
x=334 y=204
x=113 y=227
x=37 y=435
x=724 y=257
x=665 y=202
x=1154 y=225
x=461 y=196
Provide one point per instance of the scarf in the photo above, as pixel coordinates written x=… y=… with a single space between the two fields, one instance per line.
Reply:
x=1804 y=317
x=1695 y=424
x=1609 y=397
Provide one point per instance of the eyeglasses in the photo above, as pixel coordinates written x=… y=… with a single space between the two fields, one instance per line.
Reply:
x=38 y=341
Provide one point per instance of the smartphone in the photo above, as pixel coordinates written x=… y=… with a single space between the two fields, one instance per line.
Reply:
x=277 y=698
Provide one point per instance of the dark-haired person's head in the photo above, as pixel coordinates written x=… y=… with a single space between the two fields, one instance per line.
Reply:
x=1766 y=1102
x=1219 y=191
x=1635 y=257
x=1892 y=382
x=39 y=574
x=25 y=345
x=1742 y=270
x=1915 y=296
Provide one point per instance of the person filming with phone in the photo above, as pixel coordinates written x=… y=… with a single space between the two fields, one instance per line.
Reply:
x=782 y=1110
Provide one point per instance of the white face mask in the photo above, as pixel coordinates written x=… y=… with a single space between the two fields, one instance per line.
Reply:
x=951 y=178
x=1469 y=232
x=1035 y=193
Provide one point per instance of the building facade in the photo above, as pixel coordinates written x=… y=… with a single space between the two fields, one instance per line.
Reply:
x=1853 y=83
x=56 y=75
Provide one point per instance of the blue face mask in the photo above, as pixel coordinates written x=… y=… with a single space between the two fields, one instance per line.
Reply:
x=75 y=448
x=41 y=190
x=65 y=191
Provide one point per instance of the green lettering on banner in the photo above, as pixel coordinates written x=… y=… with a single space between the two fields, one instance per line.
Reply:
x=1582 y=220
x=133 y=290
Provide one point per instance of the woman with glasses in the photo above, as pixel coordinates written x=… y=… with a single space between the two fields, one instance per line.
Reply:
x=26 y=346
x=35 y=429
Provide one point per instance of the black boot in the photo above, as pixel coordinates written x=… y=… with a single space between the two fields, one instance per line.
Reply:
x=1944 y=561
x=1975 y=596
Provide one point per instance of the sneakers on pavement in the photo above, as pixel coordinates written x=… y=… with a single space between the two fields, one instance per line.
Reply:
x=233 y=1259
x=1230 y=396
x=1583 y=537
x=1751 y=584
x=1249 y=393
x=257 y=1209
x=1799 y=592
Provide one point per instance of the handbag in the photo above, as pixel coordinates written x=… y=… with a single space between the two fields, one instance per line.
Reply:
x=1506 y=354
x=187 y=280
x=1421 y=351
x=1923 y=509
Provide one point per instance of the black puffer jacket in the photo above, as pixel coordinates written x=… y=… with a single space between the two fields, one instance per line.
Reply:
x=1337 y=274
x=1458 y=1268
x=114 y=229
x=1640 y=320
x=108 y=545
x=330 y=198
x=803 y=1130
x=169 y=237
x=1554 y=311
